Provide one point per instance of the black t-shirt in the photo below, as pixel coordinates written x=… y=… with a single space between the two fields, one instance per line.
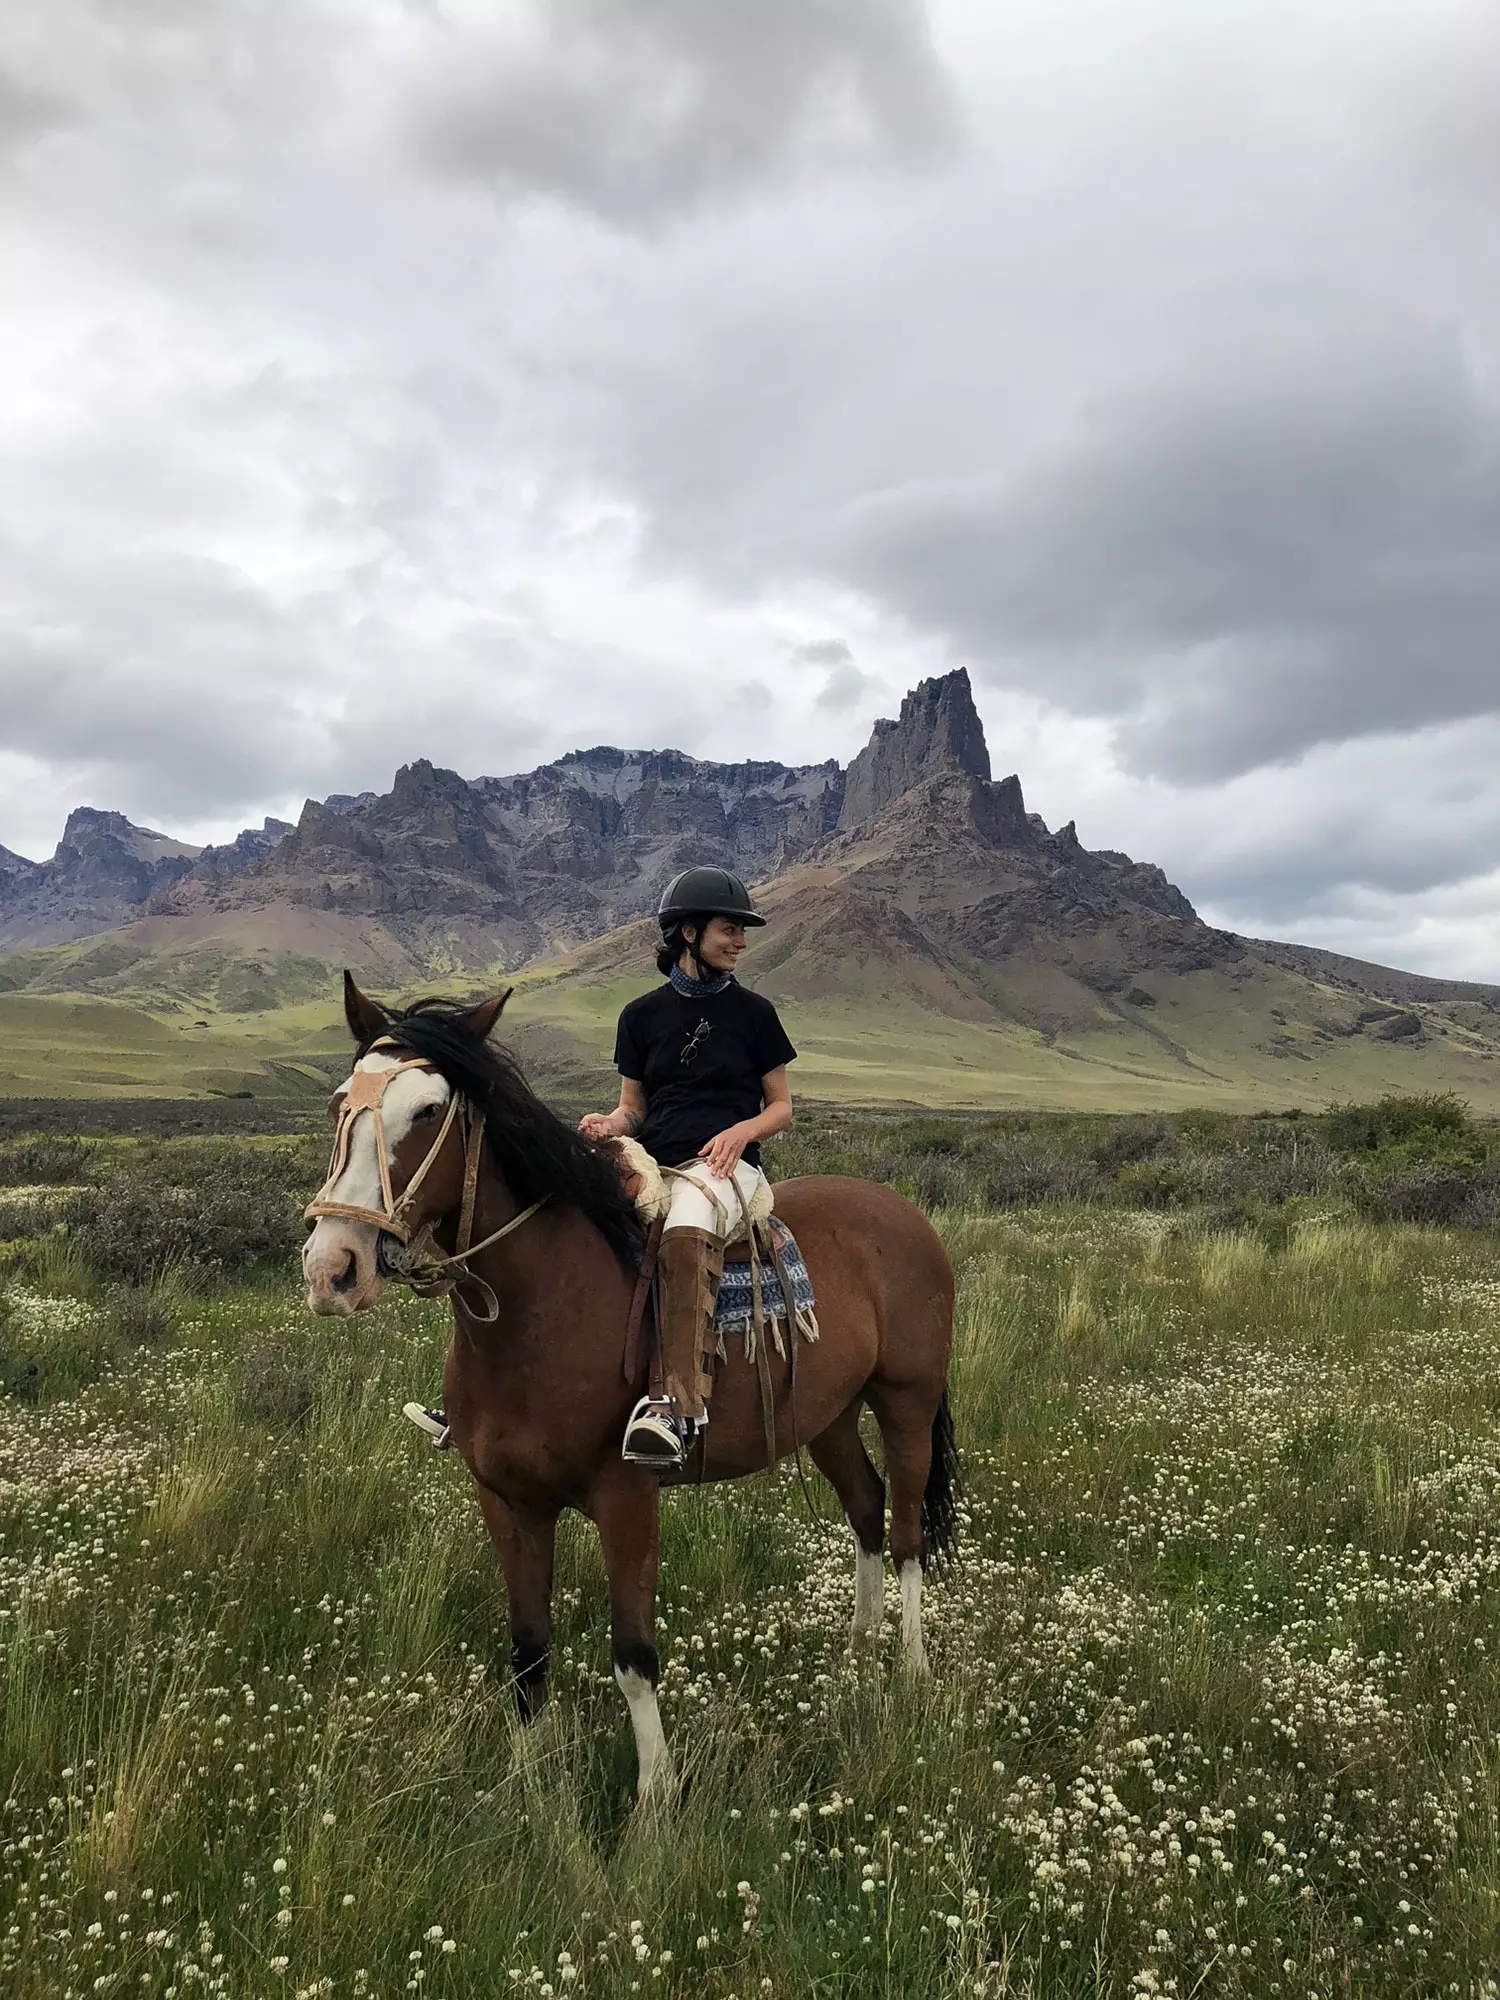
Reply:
x=700 y=1063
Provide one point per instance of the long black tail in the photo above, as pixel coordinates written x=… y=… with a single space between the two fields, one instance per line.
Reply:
x=940 y=1495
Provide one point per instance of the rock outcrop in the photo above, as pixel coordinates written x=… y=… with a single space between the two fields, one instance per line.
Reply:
x=937 y=731
x=502 y=869
x=101 y=875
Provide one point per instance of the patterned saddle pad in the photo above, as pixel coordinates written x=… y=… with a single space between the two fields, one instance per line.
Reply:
x=736 y=1301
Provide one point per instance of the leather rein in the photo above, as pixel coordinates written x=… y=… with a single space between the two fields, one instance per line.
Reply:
x=429 y=1276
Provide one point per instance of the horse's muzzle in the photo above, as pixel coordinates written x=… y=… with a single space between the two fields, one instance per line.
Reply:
x=342 y=1266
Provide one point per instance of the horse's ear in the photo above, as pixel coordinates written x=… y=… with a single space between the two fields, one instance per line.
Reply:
x=366 y=1017
x=480 y=1021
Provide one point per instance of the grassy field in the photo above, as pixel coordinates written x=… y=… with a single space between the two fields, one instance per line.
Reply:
x=1213 y=1709
x=1233 y=1038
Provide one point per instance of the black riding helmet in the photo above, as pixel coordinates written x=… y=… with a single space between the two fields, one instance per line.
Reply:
x=705 y=892
x=692 y=898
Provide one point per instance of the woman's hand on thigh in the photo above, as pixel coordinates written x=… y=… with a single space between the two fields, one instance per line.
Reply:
x=723 y=1152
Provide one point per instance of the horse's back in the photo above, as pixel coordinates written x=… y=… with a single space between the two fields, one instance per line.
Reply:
x=867 y=1245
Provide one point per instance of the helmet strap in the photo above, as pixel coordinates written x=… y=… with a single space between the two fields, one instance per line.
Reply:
x=694 y=948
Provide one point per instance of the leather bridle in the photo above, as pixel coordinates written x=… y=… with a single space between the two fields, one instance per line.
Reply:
x=430 y=1277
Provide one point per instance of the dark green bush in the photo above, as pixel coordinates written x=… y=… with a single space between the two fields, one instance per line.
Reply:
x=206 y=1211
x=42 y=1160
x=1423 y=1123
x=138 y=1316
x=1124 y=1141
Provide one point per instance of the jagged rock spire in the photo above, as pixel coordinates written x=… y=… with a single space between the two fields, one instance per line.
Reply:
x=938 y=730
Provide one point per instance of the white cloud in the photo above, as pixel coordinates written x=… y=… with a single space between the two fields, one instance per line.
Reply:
x=395 y=379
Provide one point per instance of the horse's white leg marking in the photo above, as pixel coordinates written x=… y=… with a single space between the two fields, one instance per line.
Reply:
x=913 y=1651
x=869 y=1594
x=657 y=1780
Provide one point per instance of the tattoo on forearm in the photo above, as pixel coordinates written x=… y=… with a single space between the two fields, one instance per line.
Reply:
x=633 y=1123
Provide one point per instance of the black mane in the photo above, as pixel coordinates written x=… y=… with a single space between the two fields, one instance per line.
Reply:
x=537 y=1154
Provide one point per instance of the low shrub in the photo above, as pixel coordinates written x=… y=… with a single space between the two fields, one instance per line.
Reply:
x=1432 y=1191
x=276 y=1383
x=206 y=1212
x=51 y=1347
x=138 y=1316
x=42 y=1160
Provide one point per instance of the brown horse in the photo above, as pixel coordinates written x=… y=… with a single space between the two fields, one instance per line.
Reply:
x=534 y=1388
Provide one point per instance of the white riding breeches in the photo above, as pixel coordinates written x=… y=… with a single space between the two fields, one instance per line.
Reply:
x=700 y=1200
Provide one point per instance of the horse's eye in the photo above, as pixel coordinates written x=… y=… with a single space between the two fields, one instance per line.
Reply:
x=427 y=1112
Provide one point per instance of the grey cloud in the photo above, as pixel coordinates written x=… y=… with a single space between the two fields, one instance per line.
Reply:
x=161 y=681
x=1235 y=570
x=181 y=65
x=1143 y=356
x=639 y=111
x=847 y=686
x=1387 y=819
x=26 y=111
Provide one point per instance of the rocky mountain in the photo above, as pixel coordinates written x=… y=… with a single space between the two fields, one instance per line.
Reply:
x=914 y=899
x=501 y=870
x=937 y=734
x=104 y=871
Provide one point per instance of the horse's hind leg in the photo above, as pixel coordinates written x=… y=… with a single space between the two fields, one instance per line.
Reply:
x=526 y=1543
x=625 y=1507
x=839 y=1454
x=905 y=1418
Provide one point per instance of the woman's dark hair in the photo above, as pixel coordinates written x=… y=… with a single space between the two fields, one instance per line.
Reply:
x=674 y=944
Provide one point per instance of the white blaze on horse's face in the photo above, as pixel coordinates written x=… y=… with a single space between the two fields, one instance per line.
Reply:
x=339 y=1258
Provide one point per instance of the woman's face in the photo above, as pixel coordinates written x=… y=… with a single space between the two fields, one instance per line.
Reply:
x=723 y=941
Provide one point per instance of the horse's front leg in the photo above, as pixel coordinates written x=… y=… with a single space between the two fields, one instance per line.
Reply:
x=526 y=1540
x=624 y=1507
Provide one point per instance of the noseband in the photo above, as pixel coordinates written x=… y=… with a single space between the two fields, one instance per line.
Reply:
x=430 y=1277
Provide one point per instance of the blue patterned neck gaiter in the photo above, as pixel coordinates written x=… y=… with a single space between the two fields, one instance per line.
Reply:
x=698 y=989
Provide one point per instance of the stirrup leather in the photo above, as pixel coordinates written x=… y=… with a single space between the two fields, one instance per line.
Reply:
x=656 y=1436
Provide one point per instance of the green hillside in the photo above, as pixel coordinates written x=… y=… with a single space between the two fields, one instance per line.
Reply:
x=878 y=1015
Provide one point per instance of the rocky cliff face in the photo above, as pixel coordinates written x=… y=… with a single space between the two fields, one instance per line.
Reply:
x=938 y=731
x=101 y=875
x=926 y=830
x=474 y=870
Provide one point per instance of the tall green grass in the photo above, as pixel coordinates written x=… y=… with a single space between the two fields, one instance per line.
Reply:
x=1213 y=1707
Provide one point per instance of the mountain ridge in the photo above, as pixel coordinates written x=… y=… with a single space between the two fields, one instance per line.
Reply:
x=913 y=897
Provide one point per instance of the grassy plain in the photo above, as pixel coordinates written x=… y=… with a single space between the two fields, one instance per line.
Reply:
x=1200 y=1043
x=1215 y=1707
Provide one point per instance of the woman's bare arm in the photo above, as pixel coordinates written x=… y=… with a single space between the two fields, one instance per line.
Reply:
x=625 y=1121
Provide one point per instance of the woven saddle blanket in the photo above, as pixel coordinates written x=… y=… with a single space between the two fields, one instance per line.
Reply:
x=734 y=1309
x=734 y=1306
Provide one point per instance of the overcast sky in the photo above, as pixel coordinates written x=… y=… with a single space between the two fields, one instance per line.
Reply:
x=386 y=378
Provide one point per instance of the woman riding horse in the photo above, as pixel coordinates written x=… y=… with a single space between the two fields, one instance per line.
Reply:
x=703 y=1080
x=449 y=1173
x=702 y=1063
